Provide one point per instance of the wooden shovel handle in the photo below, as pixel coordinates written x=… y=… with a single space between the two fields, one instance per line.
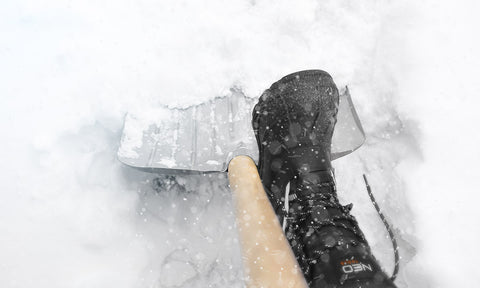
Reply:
x=268 y=258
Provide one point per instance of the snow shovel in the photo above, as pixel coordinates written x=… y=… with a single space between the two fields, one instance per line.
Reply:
x=215 y=137
x=204 y=138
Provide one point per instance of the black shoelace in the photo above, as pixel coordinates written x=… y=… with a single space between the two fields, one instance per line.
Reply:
x=388 y=227
x=302 y=214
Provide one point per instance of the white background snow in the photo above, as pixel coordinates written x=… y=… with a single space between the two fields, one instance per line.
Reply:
x=72 y=216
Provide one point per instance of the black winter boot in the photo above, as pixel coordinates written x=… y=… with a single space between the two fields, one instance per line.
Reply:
x=293 y=123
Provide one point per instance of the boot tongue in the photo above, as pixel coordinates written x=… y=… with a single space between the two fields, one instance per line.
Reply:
x=313 y=182
x=311 y=159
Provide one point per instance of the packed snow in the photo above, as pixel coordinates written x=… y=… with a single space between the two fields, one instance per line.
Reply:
x=72 y=216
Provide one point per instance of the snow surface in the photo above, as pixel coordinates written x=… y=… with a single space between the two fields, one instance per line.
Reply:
x=72 y=216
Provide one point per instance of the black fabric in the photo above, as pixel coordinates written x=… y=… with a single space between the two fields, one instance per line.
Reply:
x=294 y=122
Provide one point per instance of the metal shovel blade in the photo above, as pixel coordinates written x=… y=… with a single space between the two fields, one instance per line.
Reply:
x=205 y=137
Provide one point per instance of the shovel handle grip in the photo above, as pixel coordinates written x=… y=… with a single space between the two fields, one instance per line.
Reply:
x=267 y=257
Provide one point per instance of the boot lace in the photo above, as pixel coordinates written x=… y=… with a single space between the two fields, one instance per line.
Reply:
x=321 y=196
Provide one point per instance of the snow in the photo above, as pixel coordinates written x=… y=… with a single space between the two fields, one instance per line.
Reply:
x=72 y=216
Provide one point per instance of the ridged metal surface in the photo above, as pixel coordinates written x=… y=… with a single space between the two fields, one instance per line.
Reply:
x=206 y=137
